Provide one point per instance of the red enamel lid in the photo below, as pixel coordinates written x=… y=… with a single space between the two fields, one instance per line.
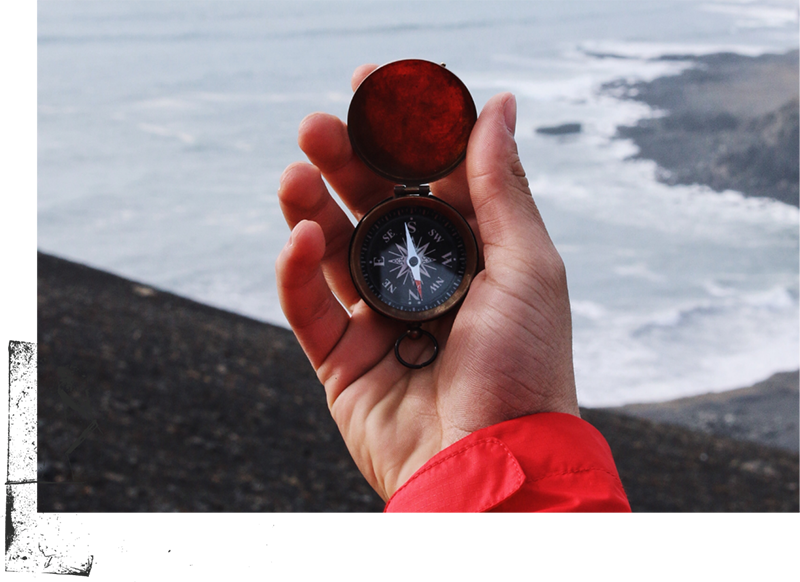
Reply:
x=410 y=121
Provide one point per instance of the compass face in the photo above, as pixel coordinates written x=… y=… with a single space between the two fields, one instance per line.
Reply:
x=413 y=258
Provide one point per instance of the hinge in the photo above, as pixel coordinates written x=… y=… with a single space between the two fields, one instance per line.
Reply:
x=421 y=190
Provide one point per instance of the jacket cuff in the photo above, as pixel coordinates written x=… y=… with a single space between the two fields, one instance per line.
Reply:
x=542 y=462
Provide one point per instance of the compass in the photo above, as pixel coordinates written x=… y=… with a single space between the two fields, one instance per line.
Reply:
x=412 y=256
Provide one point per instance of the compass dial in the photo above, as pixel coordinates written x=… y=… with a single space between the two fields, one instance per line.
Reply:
x=413 y=258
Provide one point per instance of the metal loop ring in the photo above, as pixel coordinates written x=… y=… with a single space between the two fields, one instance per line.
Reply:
x=415 y=333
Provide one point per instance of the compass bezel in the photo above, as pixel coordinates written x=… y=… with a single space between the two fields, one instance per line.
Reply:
x=360 y=278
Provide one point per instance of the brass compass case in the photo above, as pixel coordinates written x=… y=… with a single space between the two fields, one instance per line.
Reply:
x=412 y=256
x=451 y=271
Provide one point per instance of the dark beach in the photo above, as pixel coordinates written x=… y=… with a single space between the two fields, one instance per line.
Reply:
x=200 y=409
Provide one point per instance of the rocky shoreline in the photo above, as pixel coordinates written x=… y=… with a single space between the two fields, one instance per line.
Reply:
x=764 y=413
x=730 y=122
x=203 y=410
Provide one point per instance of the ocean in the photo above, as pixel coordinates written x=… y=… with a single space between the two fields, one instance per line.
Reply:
x=163 y=128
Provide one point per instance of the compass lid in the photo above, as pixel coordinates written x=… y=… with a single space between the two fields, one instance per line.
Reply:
x=410 y=121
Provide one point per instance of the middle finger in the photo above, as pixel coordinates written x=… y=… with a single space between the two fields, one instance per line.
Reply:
x=325 y=141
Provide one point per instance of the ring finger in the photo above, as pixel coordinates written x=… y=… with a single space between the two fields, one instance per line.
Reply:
x=303 y=196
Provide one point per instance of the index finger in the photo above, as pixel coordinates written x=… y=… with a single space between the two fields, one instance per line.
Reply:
x=324 y=139
x=360 y=74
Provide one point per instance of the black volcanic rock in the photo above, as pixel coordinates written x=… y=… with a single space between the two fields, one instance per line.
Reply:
x=768 y=163
x=563 y=129
x=731 y=123
x=766 y=412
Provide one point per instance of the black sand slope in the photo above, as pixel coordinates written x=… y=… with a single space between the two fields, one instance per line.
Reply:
x=199 y=409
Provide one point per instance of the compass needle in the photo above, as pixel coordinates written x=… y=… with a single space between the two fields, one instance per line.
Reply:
x=413 y=261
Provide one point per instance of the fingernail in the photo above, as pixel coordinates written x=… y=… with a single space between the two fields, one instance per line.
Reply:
x=284 y=175
x=292 y=233
x=291 y=239
x=510 y=113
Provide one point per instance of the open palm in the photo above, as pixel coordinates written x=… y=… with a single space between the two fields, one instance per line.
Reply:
x=506 y=353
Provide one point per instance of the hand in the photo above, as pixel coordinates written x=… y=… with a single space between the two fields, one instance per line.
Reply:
x=506 y=353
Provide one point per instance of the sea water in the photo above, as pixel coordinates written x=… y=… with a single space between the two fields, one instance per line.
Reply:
x=164 y=126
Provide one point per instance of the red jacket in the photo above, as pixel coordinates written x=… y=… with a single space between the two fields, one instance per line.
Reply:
x=542 y=462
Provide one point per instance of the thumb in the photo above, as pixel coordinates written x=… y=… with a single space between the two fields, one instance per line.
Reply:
x=508 y=219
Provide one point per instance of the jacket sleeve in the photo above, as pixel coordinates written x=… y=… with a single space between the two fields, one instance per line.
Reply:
x=543 y=462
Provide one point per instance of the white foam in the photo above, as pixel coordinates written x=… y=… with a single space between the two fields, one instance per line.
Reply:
x=574 y=76
x=777 y=298
x=628 y=194
x=714 y=289
x=638 y=270
x=706 y=345
x=169 y=132
x=588 y=309
x=756 y=15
